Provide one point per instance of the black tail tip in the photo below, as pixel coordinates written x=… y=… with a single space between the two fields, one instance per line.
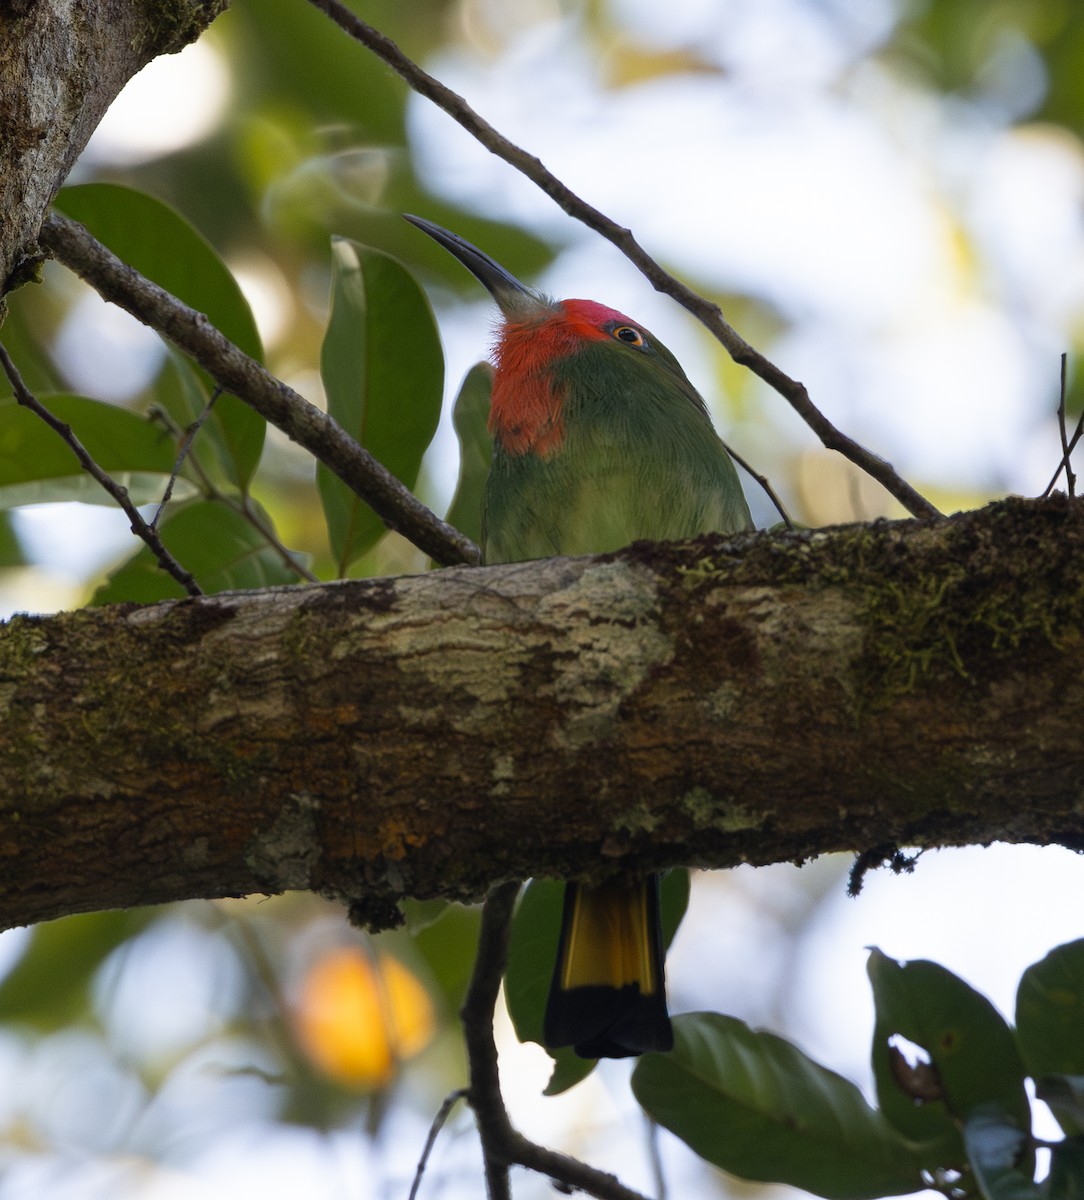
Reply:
x=607 y=1022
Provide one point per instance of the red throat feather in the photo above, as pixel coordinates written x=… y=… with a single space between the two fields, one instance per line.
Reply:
x=525 y=410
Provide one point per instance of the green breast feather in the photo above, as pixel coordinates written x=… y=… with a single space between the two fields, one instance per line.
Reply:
x=640 y=459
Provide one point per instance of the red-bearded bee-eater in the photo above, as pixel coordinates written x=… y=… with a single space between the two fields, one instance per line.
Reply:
x=599 y=439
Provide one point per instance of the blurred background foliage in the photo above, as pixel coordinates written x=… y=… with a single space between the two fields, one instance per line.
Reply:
x=261 y=1047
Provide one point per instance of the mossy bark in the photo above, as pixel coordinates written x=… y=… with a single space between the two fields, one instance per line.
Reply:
x=707 y=703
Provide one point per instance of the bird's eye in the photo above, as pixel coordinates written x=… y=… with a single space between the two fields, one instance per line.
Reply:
x=629 y=335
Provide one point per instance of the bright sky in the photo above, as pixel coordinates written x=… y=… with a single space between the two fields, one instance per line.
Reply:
x=932 y=261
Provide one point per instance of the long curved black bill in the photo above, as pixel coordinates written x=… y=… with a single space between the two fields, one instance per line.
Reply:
x=503 y=286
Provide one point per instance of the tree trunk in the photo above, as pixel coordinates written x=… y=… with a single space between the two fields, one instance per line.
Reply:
x=62 y=63
x=706 y=703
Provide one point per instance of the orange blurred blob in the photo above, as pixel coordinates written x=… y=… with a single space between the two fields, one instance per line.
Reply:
x=359 y=1015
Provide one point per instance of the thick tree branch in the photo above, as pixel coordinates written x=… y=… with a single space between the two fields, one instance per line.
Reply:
x=707 y=703
x=708 y=313
x=243 y=377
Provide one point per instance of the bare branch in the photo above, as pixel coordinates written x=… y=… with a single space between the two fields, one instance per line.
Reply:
x=708 y=313
x=243 y=377
x=571 y=1172
x=140 y=528
x=502 y=1145
x=484 y=1093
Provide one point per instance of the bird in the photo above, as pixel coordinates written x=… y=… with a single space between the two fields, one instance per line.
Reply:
x=599 y=440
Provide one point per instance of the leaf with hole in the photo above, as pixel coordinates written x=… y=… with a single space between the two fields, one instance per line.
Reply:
x=971 y=1049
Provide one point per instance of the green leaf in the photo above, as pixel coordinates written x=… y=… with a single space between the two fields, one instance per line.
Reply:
x=26 y=331
x=756 y=1106
x=420 y=914
x=11 y=550
x=1050 y=1020
x=568 y=1070
x=1066 y=1178
x=673 y=903
x=532 y=946
x=161 y=244
x=47 y=987
x=996 y=1150
x=1064 y=1096
x=470 y=416
x=447 y=946
x=969 y=1044
x=532 y=950
x=383 y=372
x=37 y=466
x=212 y=541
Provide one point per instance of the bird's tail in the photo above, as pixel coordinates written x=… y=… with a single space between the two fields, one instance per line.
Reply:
x=608 y=995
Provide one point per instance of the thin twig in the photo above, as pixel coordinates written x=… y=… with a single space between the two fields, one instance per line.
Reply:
x=709 y=314
x=1068 y=445
x=502 y=1144
x=762 y=480
x=289 y=560
x=182 y=454
x=654 y=1155
x=242 y=507
x=1073 y=441
x=243 y=377
x=443 y=1113
x=262 y=976
x=140 y=528
x=1070 y=478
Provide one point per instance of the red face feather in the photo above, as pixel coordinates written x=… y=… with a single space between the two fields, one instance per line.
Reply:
x=590 y=320
x=525 y=410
